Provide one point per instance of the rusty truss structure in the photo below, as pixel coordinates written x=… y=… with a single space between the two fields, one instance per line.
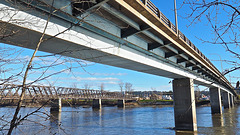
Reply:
x=12 y=91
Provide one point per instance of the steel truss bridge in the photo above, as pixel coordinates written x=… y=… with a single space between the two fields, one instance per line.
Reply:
x=12 y=91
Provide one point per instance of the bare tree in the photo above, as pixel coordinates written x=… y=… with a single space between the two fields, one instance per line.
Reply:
x=74 y=85
x=224 y=19
x=8 y=63
x=128 y=87
x=102 y=87
x=14 y=121
x=31 y=66
x=121 y=84
x=153 y=89
x=87 y=86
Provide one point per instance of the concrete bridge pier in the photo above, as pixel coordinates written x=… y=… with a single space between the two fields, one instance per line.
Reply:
x=121 y=103
x=226 y=100
x=97 y=103
x=184 y=104
x=56 y=105
x=231 y=100
x=215 y=100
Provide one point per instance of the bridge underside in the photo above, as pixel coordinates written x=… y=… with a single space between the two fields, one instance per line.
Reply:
x=71 y=49
x=98 y=54
x=119 y=35
x=98 y=40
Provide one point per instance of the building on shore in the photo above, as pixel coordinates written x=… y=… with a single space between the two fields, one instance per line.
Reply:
x=153 y=95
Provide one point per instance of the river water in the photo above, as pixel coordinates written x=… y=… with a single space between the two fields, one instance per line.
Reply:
x=117 y=121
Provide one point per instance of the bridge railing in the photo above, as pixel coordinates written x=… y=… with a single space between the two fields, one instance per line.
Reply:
x=168 y=23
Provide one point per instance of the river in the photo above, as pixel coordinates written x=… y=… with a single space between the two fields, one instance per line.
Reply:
x=117 y=121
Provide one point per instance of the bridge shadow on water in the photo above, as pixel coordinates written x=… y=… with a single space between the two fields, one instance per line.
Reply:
x=217 y=124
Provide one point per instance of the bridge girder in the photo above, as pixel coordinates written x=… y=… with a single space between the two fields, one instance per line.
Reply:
x=154 y=37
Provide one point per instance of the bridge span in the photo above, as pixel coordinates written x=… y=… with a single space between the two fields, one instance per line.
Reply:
x=55 y=94
x=131 y=34
x=12 y=91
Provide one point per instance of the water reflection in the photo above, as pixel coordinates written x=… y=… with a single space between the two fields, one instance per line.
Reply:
x=230 y=118
x=217 y=120
x=97 y=114
x=55 y=122
x=141 y=120
x=185 y=133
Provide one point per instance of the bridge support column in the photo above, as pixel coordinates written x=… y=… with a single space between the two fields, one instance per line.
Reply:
x=226 y=100
x=121 y=103
x=231 y=100
x=184 y=104
x=215 y=100
x=97 y=103
x=56 y=105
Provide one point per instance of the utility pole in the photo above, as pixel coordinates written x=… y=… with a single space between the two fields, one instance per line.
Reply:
x=176 y=21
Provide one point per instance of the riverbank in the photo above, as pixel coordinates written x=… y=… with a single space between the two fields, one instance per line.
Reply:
x=88 y=103
x=85 y=103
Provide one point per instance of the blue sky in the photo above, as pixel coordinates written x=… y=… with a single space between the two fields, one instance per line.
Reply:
x=94 y=74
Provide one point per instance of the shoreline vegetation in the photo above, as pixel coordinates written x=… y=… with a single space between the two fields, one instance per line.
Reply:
x=88 y=103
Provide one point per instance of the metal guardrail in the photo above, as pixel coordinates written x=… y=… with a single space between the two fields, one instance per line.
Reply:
x=170 y=25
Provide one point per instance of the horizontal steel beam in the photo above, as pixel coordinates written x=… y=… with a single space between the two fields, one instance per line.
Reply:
x=181 y=60
x=126 y=32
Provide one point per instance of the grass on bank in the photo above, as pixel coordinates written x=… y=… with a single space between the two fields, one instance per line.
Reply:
x=152 y=100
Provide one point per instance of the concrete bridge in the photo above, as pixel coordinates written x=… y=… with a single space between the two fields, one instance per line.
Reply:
x=131 y=34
